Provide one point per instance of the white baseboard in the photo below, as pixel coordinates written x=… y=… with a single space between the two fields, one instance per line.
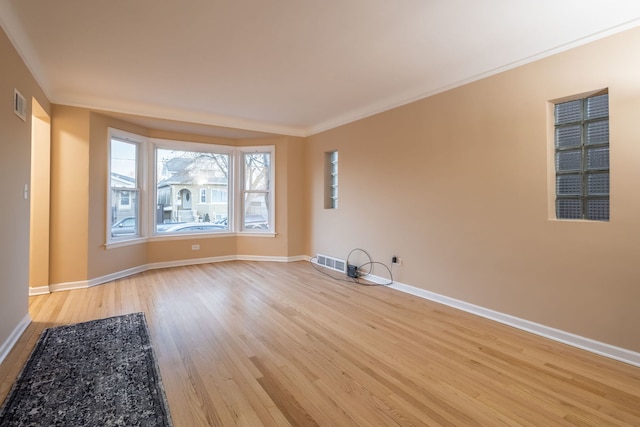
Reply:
x=593 y=346
x=184 y=262
x=114 y=276
x=68 y=286
x=270 y=258
x=597 y=347
x=39 y=290
x=13 y=338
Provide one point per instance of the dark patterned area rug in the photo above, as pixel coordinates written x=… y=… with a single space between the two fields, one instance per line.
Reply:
x=98 y=373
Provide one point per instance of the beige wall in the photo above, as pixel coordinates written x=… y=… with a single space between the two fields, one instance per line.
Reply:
x=15 y=172
x=457 y=186
x=297 y=205
x=69 y=194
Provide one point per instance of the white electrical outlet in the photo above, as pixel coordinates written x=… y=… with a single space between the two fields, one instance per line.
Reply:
x=195 y=247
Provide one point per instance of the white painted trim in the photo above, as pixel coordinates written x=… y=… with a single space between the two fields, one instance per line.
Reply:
x=114 y=276
x=13 y=338
x=259 y=258
x=69 y=286
x=168 y=264
x=593 y=346
x=39 y=290
x=397 y=101
x=299 y=258
x=194 y=261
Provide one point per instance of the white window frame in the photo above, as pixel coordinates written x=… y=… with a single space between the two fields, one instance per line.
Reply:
x=235 y=187
x=147 y=197
x=140 y=189
x=203 y=195
x=165 y=144
x=240 y=194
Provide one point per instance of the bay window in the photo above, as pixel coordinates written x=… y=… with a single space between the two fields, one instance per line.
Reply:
x=195 y=188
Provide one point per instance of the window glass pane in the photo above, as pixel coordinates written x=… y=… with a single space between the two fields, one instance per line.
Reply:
x=568 y=112
x=598 y=106
x=257 y=170
x=598 y=158
x=598 y=132
x=123 y=182
x=598 y=184
x=256 y=211
x=568 y=209
x=598 y=209
x=183 y=179
x=124 y=208
x=569 y=136
x=569 y=185
x=569 y=160
x=124 y=161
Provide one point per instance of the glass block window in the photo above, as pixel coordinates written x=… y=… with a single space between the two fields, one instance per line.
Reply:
x=331 y=180
x=582 y=158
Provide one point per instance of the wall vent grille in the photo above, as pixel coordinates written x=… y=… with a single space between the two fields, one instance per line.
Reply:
x=19 y=105
x=332 y=263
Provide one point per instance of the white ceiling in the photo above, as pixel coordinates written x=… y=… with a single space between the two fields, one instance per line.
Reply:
x=293 y=67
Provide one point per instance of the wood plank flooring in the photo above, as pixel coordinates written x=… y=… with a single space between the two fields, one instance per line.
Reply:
x=252 y=344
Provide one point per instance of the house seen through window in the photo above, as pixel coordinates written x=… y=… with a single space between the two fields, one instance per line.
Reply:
x=180 y=174
x=124 y=208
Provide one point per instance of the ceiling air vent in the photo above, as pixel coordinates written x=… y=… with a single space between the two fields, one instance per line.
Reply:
x=19 y=105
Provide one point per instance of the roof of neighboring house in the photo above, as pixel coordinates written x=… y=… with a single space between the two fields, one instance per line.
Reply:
x=119 y=180
x=183 y=172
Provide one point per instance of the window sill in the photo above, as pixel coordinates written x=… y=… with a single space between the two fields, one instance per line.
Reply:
x=125 y=242
x=254 y=234
x=583 y=221
x=183 y=236
x=159 y=238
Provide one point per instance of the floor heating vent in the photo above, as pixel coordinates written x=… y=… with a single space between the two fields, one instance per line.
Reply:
x=332 y=263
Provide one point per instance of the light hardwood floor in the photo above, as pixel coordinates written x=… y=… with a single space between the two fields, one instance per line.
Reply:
x=254 y=344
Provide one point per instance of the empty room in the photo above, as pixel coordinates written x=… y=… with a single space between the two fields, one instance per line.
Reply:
x=331 y=213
